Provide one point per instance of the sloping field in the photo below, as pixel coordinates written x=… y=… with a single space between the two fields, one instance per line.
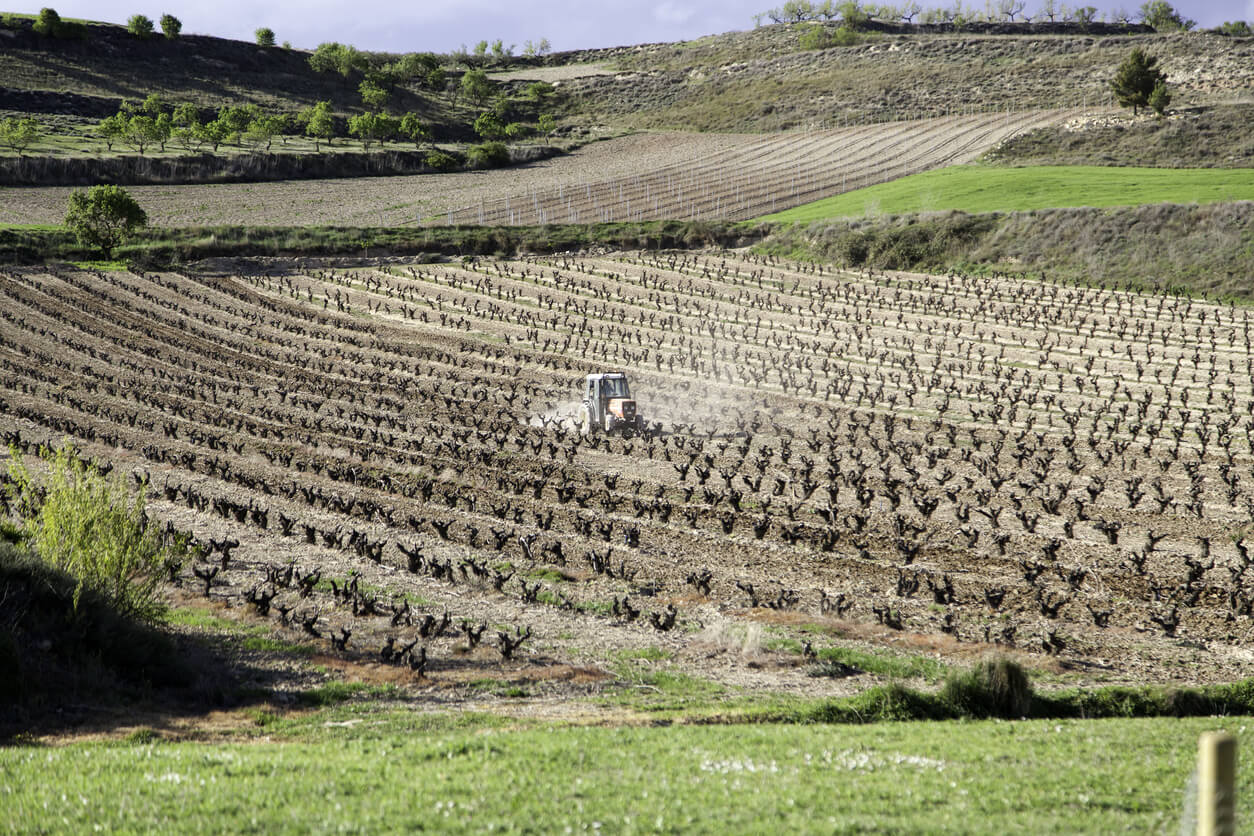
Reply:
x=759 y=176
x=935 y=464
x=989 y=189
x=648 y=176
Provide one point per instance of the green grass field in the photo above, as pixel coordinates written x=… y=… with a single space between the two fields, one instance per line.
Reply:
x=976 y=188
x=359 y=769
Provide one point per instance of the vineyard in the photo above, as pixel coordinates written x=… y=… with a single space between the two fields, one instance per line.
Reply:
x=375 y=461
x=775 y=172
x=689 y=176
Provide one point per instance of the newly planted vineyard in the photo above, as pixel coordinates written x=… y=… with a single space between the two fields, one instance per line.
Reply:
x=376 y=460
x=775 y=172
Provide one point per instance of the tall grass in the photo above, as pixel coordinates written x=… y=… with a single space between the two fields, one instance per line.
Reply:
x=92 y=528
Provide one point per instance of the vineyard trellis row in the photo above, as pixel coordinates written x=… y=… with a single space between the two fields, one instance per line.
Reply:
x=981 y=460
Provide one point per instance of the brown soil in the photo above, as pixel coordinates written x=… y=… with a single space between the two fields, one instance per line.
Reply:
x=944 y=466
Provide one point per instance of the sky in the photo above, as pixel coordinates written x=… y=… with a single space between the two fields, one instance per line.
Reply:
x=446 y=25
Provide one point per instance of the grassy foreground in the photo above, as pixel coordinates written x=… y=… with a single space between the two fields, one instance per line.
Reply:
x=975 y=188
x=360 y=770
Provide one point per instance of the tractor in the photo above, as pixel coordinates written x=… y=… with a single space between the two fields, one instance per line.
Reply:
x=608 y=405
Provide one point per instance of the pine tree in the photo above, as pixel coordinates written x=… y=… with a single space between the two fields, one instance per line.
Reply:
x=1135 y=80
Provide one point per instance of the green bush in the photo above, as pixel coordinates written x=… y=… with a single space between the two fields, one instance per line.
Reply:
x=264 y=36
x=171 y=26
x=488 y=155
x=140 y=26
x=91 y=528
x=104 y=216
x=50 y=25
x=993 y=688
x=441 y=161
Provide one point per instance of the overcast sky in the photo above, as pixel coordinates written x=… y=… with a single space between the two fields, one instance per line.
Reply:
x=444 y=25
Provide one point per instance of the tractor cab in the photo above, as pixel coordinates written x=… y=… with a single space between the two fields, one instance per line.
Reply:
x=607 y=404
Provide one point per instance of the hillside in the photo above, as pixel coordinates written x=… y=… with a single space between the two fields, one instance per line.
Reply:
x=751 y=81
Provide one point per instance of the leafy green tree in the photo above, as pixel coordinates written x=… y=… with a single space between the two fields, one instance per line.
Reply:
x=1160 y=15
x=546 y=125
x=112 y=128
x=540 y=47
x=319 y=123
x=20 y=133
x=1085 y=14
x=142 y=131
x=153 y=105
x=237 y=119
x=1135 y=80
x=262 y=130
x=190 y=138
x=48 y=23
x=171 y=26
x=500 y=51
x=489 y=126
x=104 y=217
x=140 y=26
x=373 y=127
x=414 y=129
x=337 y=57
x=476 y=86
x=373 y=95
x=163 y=129
x=436 y=79
x=186 y=115
x=216 y=132
x=264 y=36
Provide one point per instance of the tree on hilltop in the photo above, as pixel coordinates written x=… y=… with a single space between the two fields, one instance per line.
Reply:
x=1135 y=80
x=265 y=36
x=171 y=26
x=1160 y=15
x=140 y=26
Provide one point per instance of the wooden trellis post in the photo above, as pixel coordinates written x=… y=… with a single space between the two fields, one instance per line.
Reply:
x=1217 y=784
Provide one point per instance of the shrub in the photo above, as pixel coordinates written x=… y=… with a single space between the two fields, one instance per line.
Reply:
x=993 y=688
x=441 y=161
x=140 y=26
x=1235 y=29
x=104 y=217
x=488 y=155
x=264 y=36
x=171 y=26
x=91 y=528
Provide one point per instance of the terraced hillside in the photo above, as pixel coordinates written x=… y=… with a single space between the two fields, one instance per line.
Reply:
x=689 y=176
x=378 y=458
